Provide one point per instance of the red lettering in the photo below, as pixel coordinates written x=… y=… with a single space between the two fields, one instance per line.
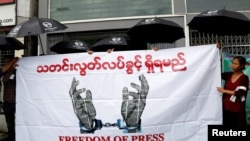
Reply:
x=39 y=69
x=134 y=138
x=141 y=138
x=177 y=64
x=65 y=66
x=161 y=137
x=155 y=137
x=129 y=66
x=124 y=138
x=75 y=138
x=61 y=138
x=85 y=138
x=138 y=63
x=120 y=64
x=158 y=63
x=117 y=138
x=166 y=63
x=81 y=138
x=179 y=61
x=67 y=138
x=149 y=137
x=149 y=64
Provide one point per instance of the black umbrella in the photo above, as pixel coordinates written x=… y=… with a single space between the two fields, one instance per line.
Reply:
x=116 y=42
x=36 y=26
x=71 y=46
x=156 y=30
x=7 y=43
x=221 y=22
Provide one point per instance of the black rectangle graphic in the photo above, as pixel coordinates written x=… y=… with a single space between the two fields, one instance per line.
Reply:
x=224 y=132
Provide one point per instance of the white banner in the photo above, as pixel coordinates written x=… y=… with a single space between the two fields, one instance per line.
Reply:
x=172 y=97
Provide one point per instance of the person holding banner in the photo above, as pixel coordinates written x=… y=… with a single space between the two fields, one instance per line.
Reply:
x=8 y=65
x=5 y=68
x=9 y=95
x=234 y=93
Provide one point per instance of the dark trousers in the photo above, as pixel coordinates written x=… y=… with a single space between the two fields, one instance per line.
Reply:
x=9 y=111
x=234 y=119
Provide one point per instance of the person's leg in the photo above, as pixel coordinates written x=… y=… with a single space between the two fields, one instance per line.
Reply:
x=242 y=118
x=230 y=119
x=9 y=111
x=225 y=117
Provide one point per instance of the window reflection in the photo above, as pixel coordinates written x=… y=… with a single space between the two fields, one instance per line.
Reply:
x=197 y=6
x=65 y=10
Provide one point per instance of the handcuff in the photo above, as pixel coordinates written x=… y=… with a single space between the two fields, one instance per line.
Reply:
x=98 y=125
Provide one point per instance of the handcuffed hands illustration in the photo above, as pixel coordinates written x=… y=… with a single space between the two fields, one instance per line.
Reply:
x=83 y=107
x=133 y=104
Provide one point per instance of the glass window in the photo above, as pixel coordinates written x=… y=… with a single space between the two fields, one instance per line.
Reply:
x=69 y=10
x=197 y=6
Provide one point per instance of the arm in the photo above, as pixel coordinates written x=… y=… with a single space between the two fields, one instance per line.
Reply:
x=225 y=76
x=110 y=50
x=9 y=65
x=240 y=90
x=224 y=91
x=90 y=51
x=243 y=86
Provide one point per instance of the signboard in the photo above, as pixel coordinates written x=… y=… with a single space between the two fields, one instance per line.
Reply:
x=6 y=1
x=7 y=15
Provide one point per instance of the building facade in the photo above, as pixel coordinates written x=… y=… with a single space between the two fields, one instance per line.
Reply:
x=92 y=20
x=13 y=12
